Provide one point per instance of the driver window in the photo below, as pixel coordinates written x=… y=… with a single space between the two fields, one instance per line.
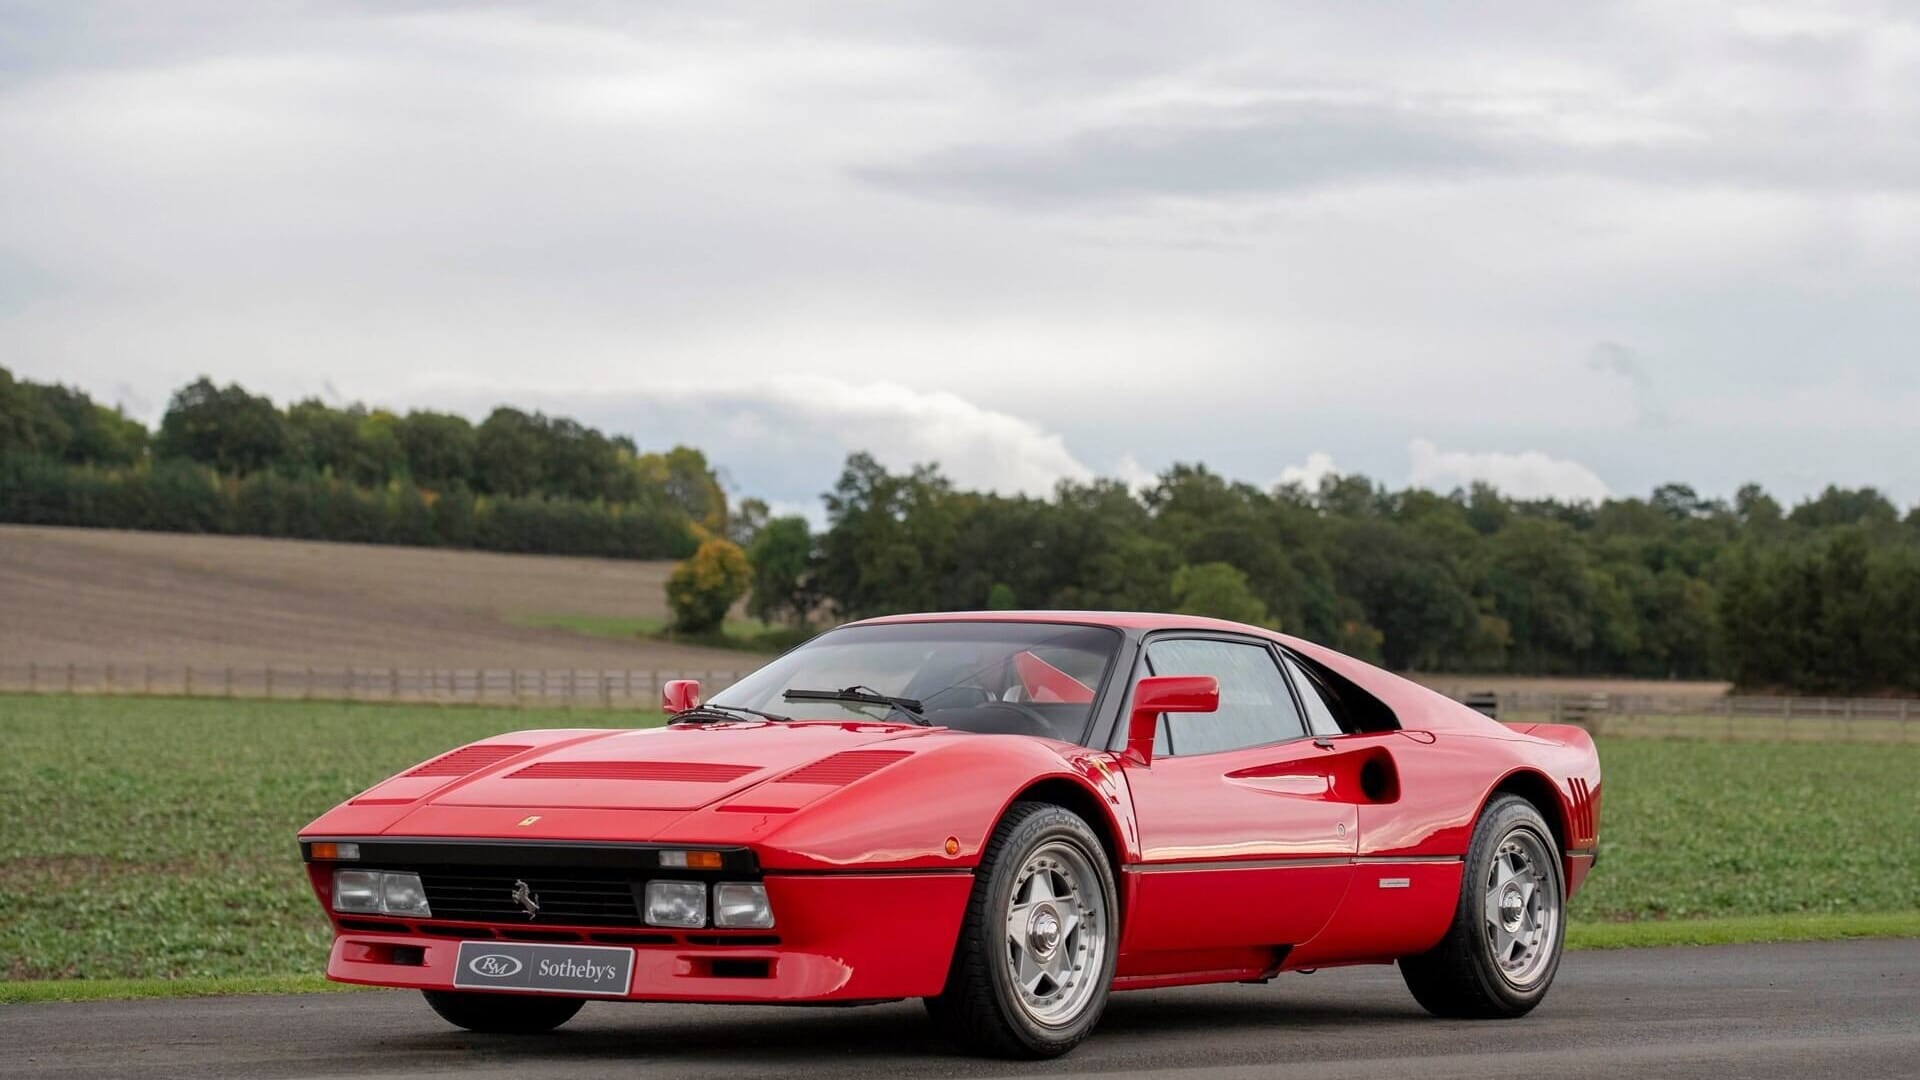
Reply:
x=1256 y=707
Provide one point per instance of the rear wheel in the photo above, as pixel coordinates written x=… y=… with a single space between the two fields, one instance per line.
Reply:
x=1501 y=953
x=502 y=1014
x=1035 y=958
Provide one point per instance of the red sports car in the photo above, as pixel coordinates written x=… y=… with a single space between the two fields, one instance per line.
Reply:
x=1007 y=815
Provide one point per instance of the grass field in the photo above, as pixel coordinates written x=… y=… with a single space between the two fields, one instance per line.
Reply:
x=153 y=838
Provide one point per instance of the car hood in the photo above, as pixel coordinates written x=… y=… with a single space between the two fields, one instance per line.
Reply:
x=684 y=767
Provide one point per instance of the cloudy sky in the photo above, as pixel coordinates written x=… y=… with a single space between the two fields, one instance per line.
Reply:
x=1574 y=249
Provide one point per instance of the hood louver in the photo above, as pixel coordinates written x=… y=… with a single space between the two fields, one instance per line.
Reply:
x=467 y=760
x=685 y=772
x=844 y=768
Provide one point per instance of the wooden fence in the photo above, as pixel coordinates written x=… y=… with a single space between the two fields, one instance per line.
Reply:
x=572 y=687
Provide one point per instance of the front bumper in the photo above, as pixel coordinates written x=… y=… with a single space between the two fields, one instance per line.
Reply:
x=843 y=937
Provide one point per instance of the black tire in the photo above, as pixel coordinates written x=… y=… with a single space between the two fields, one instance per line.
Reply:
x=980 y=1009
x=1460 y=978
x=502 y=1014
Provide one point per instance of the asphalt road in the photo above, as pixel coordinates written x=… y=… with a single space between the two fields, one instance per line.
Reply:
x=1849 y=1009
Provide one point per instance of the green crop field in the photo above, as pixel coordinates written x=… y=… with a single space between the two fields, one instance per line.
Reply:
x=153 y=837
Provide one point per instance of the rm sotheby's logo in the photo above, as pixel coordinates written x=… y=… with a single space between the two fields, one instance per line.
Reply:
x=494 y=966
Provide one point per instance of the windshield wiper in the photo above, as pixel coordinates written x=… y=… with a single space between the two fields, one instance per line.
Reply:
x=701 y=714
x=865 y=695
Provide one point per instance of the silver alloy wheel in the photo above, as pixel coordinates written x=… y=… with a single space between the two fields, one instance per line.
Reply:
x=1522 y=907
x=1056 y=934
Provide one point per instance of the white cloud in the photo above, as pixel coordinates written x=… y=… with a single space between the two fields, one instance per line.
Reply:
x=788 y=436
x=1528 y=474
x=1318 y=467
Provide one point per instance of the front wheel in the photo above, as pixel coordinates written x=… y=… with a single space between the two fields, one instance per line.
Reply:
x=1035 y=957
x=502 y=1014
x=1501 y=953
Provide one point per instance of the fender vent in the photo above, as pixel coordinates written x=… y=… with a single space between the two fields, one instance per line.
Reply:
x=1583 y=823
x=844 y=767
x=683 y=772
x=467 y=759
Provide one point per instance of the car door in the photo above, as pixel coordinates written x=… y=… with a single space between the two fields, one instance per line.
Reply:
x=1242 y=837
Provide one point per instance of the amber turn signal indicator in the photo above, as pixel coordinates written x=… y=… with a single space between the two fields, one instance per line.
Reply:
x=691 y=860
x=953 y=845
x=334 y=852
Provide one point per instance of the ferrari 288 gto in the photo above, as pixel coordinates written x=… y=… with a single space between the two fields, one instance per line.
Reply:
x=1007 y=815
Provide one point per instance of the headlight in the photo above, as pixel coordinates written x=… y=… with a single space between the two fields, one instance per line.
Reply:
x=676 y=903
x=377 y=892
x=356 y=890
x=738 y=904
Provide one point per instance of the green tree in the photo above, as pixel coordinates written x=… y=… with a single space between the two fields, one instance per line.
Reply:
x=1219 y=590
x=701 y=589
x=782 y=559
x=223 y=427
x=439 y=449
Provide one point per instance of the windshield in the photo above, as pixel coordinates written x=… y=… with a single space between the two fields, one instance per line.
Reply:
x=993 y=677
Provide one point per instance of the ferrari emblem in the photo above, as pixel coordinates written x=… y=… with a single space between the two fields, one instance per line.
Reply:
x=528 y=820
x=523 y=895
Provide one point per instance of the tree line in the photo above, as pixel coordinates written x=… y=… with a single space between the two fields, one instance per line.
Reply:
x=226 y=460
x=1820 y=598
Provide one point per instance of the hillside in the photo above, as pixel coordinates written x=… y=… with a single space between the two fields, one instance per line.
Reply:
x=88 y=596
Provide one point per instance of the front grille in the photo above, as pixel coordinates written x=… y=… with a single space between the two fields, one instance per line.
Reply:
x=565 y=898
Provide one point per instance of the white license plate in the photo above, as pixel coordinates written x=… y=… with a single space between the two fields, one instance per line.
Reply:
x=544 y=969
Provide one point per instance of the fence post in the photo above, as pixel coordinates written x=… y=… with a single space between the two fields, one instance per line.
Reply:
x=33 y=678
x=606 y=690
x=146 y=679
x=393 y=684
x=269 y=681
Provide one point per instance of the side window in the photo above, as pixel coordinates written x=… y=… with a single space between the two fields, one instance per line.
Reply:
x=1320 y=718
x=1255 y=705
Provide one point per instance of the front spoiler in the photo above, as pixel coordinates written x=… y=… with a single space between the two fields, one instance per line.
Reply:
x=843 y=937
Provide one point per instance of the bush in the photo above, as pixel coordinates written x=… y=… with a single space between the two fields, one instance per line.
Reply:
x=701 y=589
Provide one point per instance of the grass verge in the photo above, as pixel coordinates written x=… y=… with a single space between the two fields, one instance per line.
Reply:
x=27 y=993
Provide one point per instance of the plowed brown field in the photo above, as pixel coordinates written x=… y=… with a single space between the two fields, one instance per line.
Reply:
x=94 y=596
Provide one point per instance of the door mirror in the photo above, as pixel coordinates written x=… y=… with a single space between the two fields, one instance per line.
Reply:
x=1165 y=694
x=679 y=695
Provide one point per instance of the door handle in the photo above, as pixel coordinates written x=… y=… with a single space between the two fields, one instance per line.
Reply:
x=1323 y=742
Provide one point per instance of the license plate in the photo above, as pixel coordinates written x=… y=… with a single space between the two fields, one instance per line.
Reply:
x=544 y=969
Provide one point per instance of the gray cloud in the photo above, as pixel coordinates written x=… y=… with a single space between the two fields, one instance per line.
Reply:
x=1230 y=152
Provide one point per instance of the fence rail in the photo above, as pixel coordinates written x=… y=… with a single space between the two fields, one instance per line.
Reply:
x=1640 y=715
x=1706 y=716
x=574 y=687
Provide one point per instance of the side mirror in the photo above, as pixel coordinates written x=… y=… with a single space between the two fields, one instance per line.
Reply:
x=1165 y=694
x=679 y=695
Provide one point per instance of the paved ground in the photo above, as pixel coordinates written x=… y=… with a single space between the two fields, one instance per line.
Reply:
x=1836 y=1010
